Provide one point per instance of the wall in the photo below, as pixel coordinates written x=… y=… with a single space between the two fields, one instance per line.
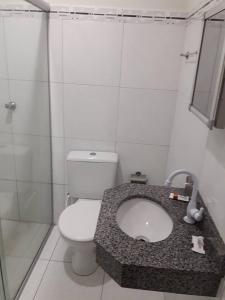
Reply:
x=212 y=177
x=189 y=134
x=193 y=146
x=110 y=82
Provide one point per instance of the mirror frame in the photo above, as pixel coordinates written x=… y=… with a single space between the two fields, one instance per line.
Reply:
x=215 y=119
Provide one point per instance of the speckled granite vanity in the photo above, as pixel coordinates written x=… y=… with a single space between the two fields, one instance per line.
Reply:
x=169 y=265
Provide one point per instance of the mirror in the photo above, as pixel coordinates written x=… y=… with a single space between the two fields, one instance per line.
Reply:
x=208 y=101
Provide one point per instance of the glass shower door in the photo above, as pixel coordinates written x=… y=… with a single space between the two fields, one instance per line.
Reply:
x=25 y=143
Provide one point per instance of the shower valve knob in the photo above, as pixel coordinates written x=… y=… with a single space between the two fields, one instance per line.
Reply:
x=11 y=105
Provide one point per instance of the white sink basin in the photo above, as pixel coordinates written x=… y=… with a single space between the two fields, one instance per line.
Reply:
x=144 y=219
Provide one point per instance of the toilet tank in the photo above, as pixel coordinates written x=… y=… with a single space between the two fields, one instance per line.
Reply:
x=91 y=173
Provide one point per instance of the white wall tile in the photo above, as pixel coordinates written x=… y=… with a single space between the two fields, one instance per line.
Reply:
x=146 y=116
x=86 y=145
x=151 y=56
x=7 y=163
x=59 y=197
x=213 y=178
x=57 y=109
x=55 y=49
x=5 y=114
x=111 y=290
x=58 y=160
x=26 y=39
x=3 y=61
x=92 y=52
x=9 y=208
x=33 y=158
x=32 y=113
x=90 y=112
x=189 y=134
x=150 y=160
x=34 y=202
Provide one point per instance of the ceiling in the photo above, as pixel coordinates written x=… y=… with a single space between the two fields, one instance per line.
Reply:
x=170 y=5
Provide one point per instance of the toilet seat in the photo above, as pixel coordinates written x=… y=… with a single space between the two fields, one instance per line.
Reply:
x=78 y=221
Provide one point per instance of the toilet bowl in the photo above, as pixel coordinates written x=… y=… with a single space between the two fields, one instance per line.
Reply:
x=89 y=175
x=77 y=225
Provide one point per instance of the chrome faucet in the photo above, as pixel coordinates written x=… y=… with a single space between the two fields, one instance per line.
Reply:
x=193 y=214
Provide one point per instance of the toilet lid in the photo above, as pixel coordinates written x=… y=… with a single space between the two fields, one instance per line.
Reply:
x=78 y=221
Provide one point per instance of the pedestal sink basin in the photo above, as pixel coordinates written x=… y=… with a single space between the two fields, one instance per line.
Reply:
x=144 y=219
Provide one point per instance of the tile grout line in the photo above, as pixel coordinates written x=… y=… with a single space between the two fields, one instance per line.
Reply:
x=49 y=260
x=119 y=89
x=42 y=277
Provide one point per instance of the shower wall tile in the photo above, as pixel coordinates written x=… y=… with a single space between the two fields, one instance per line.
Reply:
x=9 y=208
x=33 y=158
x=150 y=160
x=32 y=112
x=92 y=52
x=34 y=202
x=138 y=111
x=90 y=112
x=7 y=162
x=151 y=56
x=26 y=39
x=57 y=109
x=55 y=51
x=3 y=61
x=5 y=115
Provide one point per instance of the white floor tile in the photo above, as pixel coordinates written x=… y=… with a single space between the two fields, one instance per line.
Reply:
x=62 y=251
x=186 y=297
x=111 y=291
x=16 y=269
x=50 y=245
x=34 y=280
x=60 y=282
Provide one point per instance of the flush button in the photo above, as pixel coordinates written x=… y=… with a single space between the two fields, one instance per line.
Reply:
x=92 y=153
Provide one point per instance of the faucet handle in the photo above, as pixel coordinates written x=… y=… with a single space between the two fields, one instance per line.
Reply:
x=198 y=216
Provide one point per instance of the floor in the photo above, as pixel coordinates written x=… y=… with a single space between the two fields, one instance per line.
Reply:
x=21 y=241
x=52 y=279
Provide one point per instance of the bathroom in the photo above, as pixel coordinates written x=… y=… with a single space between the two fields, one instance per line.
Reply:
x=101 y=101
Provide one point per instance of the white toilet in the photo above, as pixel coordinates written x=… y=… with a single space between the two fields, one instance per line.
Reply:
x=89 y=174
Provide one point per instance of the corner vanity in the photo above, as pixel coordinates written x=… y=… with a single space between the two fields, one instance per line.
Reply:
x=169 y=264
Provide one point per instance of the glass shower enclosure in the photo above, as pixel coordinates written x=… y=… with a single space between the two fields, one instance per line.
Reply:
x=25 y=141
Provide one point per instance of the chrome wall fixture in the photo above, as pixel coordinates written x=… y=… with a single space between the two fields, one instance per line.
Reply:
x=188 y=54
x=11 y=105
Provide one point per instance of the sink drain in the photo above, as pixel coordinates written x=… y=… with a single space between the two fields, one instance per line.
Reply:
x=142 y=238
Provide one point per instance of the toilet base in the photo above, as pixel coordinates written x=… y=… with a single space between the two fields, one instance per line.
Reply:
x=83 y=258
x=83 y=265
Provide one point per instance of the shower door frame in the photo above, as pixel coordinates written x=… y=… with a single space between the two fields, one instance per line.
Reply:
x=45 y=7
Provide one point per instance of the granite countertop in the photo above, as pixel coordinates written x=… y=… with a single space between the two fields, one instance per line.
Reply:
x=170 y=257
